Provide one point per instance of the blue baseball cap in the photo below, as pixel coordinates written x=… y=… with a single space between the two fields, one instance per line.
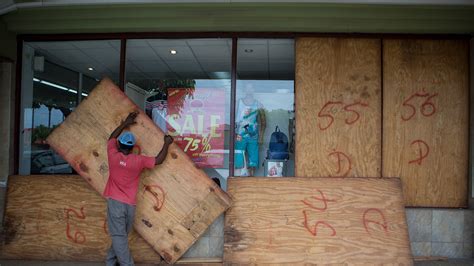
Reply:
x=127 y=138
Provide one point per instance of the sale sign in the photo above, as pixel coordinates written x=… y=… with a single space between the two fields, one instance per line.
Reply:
x=196 y=121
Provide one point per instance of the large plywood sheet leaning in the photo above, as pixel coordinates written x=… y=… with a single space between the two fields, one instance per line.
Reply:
x=320 y=221
x=338 y=107
x=176 y=201
x=425 y=124
x=60 y=218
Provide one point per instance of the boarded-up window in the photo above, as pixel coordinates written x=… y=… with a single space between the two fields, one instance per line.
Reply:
x=425 y=128
x=338 y=101
x=425 y=114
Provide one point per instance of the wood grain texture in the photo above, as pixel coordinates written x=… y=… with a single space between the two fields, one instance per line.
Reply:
x=60 y=218
x=176 y=201
x=267 y=224
x=425 y=140
x=338 y=107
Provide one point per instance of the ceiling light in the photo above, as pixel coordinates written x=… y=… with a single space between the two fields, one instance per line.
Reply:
x=91 y=69
x=248 y=50
x=54 y=85
x=173 y=52
x=219 y=75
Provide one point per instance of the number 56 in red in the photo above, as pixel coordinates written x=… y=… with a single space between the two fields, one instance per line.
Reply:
x=427 y=108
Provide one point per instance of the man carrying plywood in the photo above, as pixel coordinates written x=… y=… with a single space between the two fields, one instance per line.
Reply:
x=122 y=186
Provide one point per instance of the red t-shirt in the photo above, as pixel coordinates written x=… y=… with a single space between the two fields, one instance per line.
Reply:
x=124 y=173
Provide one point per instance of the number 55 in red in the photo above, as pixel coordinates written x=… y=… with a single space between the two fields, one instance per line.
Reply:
x=325 y=113
x=348 y=108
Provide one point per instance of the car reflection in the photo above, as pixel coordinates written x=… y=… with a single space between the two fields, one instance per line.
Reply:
x=49 y=162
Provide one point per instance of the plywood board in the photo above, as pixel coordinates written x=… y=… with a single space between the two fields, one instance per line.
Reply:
x=343 y=221
x=338 y=107
x=425 y=125
x=60 y=218
x=176 y=201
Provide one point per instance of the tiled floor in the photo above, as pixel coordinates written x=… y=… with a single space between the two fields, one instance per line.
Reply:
x=441 y=232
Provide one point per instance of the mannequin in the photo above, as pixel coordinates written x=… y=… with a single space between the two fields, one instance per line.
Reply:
x=158 y=114
x=250 y=128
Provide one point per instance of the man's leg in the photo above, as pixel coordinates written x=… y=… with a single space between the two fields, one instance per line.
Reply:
x=117 y=221
x=111 y=259
x=130 y=217
x=129 y=220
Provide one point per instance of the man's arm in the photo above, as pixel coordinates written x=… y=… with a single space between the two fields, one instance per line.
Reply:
x=130 y=120
x=164 y=151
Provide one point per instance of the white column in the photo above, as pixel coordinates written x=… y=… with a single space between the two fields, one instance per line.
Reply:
x=26 y=114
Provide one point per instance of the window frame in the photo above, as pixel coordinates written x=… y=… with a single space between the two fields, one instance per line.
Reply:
x=123 y=37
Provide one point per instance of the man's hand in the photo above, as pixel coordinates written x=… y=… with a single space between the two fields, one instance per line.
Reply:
x=130 y=120
x=164 y=150
x=168 y=139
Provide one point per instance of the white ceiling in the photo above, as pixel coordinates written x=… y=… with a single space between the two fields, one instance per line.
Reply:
x=103 y=56
x=150 y=60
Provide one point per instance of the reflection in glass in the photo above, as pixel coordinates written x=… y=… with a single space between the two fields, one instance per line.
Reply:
x=55 y=77
x=264 y=118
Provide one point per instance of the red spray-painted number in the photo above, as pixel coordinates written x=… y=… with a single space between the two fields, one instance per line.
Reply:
x=158 y=197
x=428 y=108
x=382 y=222
x=325 y=113
x=423 y=151
x=313 y=230
x=341 y=158
x=356 y=116
x=78 y=236
x=321 y=198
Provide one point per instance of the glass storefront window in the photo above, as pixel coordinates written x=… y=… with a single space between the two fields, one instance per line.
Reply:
x=55 y=77
x=184 y=87
x=264 y=118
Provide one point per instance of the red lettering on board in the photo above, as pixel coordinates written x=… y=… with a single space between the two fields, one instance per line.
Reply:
x=78 y=237
x=322 y=198
x=357 y=115
x=423 y=151
x=341 y=157
x=158 y=197
x=427 y=108
x=382 y=222
x=314 y=229
x=327 y=114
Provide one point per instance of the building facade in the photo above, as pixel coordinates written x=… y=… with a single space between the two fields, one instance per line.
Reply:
x=228 y=78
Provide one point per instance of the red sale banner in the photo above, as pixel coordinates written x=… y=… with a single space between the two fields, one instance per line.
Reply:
x=196 y=120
